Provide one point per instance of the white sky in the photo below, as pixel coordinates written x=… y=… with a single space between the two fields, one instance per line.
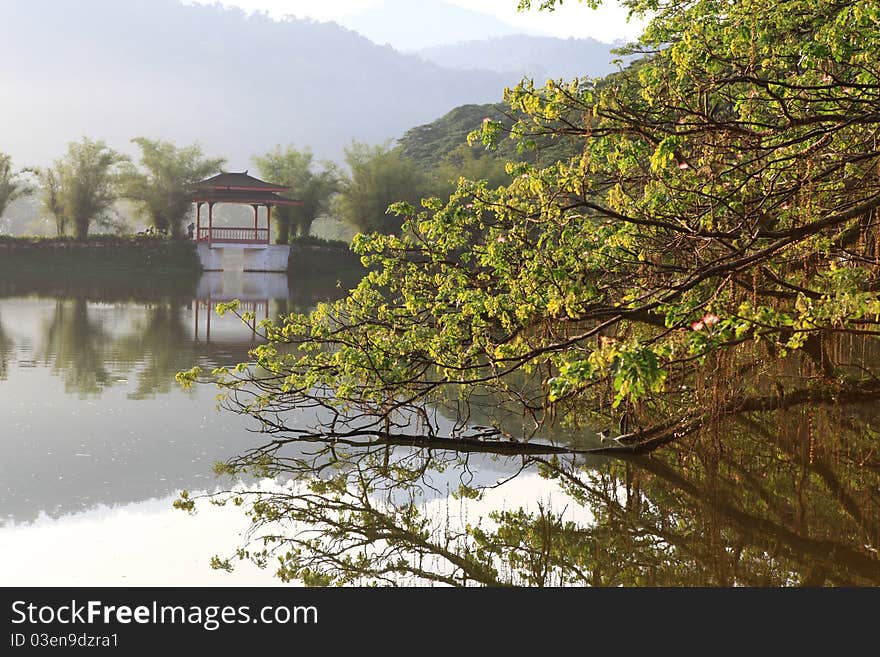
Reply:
x=572 y=19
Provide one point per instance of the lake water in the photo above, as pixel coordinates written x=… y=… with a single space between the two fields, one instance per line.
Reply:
x=98 y=440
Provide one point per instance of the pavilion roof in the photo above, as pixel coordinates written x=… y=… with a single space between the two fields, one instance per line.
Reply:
x=242 y=197
x=231 y=187
x=233 y=181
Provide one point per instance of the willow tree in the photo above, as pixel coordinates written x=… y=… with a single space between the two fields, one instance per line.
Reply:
x=80 y=188
x=163 y=186
x=711 y=252
x=11 y=185
x=315 y=188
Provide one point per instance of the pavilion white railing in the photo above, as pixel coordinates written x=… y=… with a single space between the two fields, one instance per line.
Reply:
x=233 y=235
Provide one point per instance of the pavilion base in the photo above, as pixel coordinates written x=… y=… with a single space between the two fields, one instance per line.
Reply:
x=216 y=287
x=264 y=258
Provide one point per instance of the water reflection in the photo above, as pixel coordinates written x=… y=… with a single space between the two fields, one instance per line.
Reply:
x=154 y=346
x=5 y=351
x=90 y=410
x=143 y=543
x=75 y=346
x=94 y=428
x=766 y=499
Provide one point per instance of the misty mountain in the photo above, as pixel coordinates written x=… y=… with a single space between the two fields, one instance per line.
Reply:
x=238 y=84
x=408 y=25
x=520 y=55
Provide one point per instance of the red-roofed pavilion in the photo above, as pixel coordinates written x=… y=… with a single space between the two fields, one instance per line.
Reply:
x=241 y=189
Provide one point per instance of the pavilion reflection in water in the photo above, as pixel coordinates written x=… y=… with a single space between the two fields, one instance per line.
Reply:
x=254 y=291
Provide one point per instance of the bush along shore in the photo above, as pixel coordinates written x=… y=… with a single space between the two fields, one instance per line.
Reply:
x=137 y=254
x=316 y=255
x=102 y=266
x=151 y=256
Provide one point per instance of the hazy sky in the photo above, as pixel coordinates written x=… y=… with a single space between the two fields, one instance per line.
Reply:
x=607 y=24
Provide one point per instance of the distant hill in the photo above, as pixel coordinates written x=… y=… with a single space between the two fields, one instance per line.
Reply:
x=408 y=25
x=520 y=55
x=116 y=69
x=429 y=144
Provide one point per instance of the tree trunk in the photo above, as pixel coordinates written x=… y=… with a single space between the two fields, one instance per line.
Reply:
x=81 y=227
x=282 y=226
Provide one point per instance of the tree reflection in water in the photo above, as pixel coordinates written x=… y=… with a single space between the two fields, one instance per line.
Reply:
x=6 y=346
x=92 y=352
x=78 y=348
x=760 y=499
x=156 y=344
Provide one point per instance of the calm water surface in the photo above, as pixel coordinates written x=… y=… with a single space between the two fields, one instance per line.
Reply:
x=97 y=440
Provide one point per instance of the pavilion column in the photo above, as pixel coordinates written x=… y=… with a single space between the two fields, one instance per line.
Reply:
x=210 y=222
x=268 y=223
x=198 y=219
x=256 y=220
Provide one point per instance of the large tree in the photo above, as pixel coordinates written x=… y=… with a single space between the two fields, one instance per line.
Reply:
x=722 y=218
x=315 y=188
x=379 y=177
x=11 y=185
x=712 y=252
x=80 y=188
x=163 y=185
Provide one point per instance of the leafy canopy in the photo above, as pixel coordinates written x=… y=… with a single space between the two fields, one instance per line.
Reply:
x=720 y=219
x=163 y=185
x=710 y=255
x=11 y=187
x=295 y=169
x=80 y=188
